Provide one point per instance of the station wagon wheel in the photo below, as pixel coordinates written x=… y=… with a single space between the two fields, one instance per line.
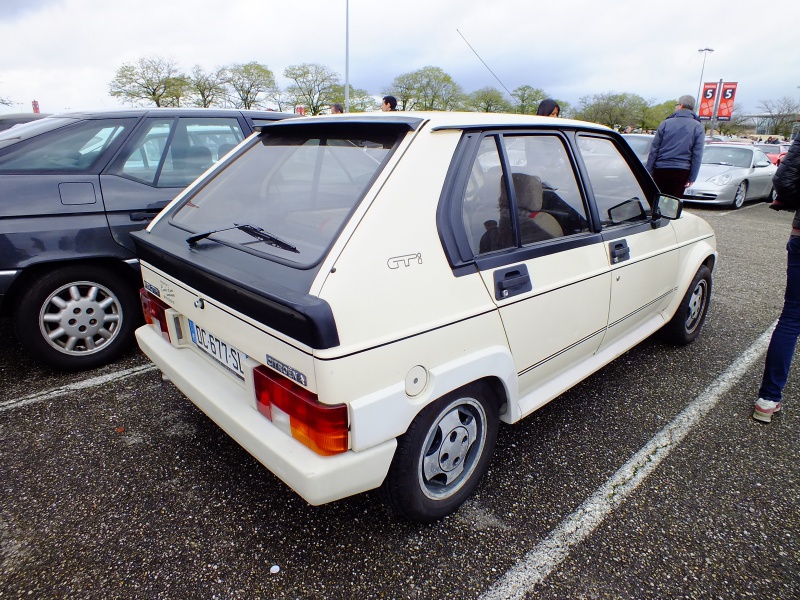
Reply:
x=685 y=325
x=739 y=197
x=77 y=318
x=440 y=460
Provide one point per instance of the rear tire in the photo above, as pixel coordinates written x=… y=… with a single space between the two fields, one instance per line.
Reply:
x=685 y=325
x=77 y=317
x=440 y=460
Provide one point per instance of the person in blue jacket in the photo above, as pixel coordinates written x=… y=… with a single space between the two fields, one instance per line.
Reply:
x=677 y=149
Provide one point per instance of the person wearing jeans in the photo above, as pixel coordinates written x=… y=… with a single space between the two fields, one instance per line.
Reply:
x=784 y=339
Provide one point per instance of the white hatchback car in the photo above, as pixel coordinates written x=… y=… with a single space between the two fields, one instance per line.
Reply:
x=360 y=300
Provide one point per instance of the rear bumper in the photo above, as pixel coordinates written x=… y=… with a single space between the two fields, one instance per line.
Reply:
x=317 y=479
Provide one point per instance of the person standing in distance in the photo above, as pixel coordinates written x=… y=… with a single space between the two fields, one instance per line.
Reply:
x=786 y=182
x=389 y=103
x=336 y=109
x=548 y=108
x=677 y=149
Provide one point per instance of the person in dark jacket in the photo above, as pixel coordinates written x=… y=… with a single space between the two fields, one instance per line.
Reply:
x=548 y=108
x=786 y=183
x=677 y=149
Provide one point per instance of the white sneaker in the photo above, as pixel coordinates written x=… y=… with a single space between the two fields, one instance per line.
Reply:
x=764 y=410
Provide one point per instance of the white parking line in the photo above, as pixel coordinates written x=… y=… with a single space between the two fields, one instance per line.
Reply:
x=72 y=387
x=548 y=554
x=742 y=209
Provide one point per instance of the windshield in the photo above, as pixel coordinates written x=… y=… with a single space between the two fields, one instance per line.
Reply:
x=769 y=148
x=300 y=188
x=725 y=155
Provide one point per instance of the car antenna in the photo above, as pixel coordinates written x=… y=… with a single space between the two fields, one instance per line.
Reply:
x=484 y=62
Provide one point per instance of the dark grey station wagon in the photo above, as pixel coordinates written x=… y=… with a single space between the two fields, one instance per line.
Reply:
x=72 y=188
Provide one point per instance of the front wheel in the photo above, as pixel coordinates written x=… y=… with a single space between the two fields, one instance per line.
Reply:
x=740 y=195
x=685 y=325
x=77 y=317
x=440 y=460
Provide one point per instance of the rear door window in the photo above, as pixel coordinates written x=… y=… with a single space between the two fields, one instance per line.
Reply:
x=171 y=152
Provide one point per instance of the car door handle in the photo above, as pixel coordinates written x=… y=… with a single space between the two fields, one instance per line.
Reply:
x=149 y=212
x=619 y=251
x=511 y=281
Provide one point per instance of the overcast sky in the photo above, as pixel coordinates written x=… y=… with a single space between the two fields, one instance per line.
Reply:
x=64 y=53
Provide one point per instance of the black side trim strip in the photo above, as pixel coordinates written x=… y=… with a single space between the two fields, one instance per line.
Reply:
x=306 y=318
x=641 y=308
x=562 y=351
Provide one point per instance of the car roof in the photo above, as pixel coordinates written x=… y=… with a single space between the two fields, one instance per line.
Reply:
x=444 y=120
x=171 y=112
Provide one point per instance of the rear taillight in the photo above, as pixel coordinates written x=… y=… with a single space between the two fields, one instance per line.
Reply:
x=155 y=312
x=321 y=427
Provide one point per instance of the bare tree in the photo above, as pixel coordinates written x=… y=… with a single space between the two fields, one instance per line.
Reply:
x=314 y=85
x=782 y=114
x=251 y=84
x=208 y=88
x=150 y=79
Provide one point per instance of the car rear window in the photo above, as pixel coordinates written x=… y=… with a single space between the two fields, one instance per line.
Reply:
x=289 y=194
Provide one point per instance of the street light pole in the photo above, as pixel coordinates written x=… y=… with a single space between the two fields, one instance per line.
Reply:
x=705 y=52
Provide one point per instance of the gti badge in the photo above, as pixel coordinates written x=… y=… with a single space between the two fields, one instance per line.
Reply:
x=405 y=260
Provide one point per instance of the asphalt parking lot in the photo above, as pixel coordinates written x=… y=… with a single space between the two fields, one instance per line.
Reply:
x=647 y=480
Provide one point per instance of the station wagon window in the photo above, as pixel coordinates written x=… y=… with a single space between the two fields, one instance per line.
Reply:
x=618 y=195
x=296 y=189
x=163 y=159
x=72 y=149
x=546 y=194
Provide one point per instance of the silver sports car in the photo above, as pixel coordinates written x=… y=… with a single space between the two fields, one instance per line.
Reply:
x=731 y=174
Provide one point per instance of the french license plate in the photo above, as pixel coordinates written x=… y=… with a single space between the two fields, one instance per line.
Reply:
x=218 y=349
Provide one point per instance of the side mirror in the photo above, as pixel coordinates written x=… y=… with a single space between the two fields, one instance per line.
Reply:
x=668 y=207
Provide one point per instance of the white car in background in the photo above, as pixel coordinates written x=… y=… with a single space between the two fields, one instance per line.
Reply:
x=361 y=300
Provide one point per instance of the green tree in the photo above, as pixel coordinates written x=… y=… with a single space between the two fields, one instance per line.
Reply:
x=527 y=98
x=612 y=109
x=487 y=99
x=360 y=100
x=429 y=88
x=250 y=84
x=313 y=86
x=208 y=88
x=149 y=79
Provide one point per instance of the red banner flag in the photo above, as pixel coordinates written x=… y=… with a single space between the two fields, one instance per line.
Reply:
x=707 y=101
x=726 y=101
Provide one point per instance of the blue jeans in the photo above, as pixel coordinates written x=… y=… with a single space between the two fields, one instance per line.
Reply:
x=784 y=338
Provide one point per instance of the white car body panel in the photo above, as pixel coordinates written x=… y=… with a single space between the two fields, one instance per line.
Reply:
x=411 y=329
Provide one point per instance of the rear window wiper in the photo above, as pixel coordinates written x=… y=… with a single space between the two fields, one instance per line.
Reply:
x=252 y=230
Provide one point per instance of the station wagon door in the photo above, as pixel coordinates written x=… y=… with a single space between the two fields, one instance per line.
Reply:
x=543 y=267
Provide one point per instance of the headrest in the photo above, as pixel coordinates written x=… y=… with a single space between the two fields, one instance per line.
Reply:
x=528 y=190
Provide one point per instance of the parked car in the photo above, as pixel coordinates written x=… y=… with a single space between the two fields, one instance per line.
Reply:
x=732 y=174
x=640 y=143
x=73 y=187
x=8 y=121
x=360 y=300
x=775 y=152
